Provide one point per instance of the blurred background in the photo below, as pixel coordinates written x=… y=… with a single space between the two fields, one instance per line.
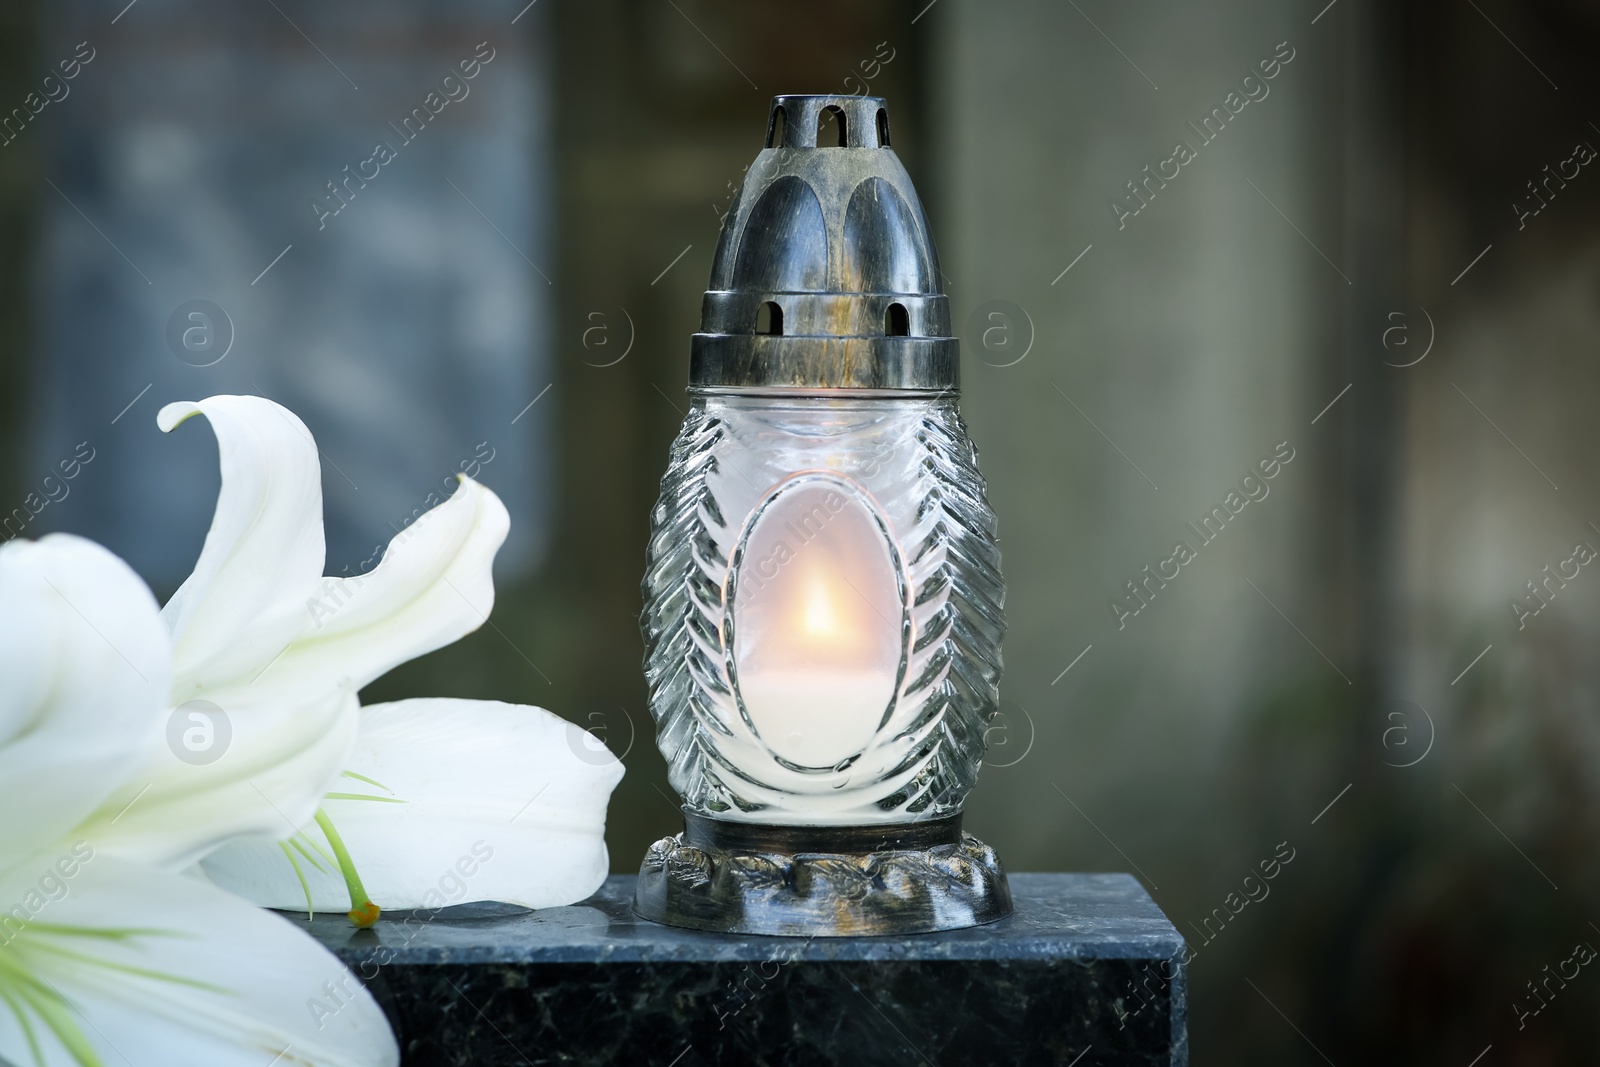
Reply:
x=1381 y=261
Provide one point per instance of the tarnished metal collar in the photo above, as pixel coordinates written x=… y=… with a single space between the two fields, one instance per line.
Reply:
x=825 y=275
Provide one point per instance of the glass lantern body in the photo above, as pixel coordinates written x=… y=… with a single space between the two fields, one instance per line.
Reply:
x=823 y=609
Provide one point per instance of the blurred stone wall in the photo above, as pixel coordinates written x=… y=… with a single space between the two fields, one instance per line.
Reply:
x=1163 y=200
x=323 y=206
x=1363 y=637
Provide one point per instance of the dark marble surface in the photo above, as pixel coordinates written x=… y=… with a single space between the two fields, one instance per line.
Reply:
x=594 y=984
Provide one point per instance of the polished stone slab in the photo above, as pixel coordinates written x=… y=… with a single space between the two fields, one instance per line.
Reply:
x=1079 y=970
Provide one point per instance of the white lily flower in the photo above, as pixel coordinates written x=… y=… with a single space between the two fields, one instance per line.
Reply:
x=103 y=960
x=260 y=633
x=281 y=650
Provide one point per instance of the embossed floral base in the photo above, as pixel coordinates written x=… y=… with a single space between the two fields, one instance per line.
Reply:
x=772 y=880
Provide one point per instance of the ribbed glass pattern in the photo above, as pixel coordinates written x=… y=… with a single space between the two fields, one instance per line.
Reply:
x=906 y=462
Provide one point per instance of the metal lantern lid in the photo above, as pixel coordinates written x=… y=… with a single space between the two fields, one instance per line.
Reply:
x=825 y=275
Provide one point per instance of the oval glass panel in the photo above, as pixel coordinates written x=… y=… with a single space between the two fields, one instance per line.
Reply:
x=818 y=622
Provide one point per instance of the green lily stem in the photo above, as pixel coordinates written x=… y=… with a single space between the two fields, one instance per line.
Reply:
x=363 y=912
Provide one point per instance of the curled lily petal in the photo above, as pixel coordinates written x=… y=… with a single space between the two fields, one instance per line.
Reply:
x=263 y=555
x=83 y=684
x=496 y=801
x=432 y=587
x=284 y=689
x=133 y=965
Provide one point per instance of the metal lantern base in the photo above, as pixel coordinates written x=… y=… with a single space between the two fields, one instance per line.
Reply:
x=822 y=881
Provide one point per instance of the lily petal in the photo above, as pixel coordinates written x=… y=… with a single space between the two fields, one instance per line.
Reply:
x=278 y=760
x=83 y=684
x=432 y=587
x=291 y=706
x=264 y=553
x=147 y=967
x=500 y=802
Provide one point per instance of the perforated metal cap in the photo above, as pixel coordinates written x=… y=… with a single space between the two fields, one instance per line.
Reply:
x=825 y=275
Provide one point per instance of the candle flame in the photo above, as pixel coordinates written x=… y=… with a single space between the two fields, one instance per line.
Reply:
x=819 y=618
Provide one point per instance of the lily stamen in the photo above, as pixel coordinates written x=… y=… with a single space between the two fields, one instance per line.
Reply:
x=363 y=912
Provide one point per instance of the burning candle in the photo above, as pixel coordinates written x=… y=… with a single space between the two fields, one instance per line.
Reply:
x=823 y=596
